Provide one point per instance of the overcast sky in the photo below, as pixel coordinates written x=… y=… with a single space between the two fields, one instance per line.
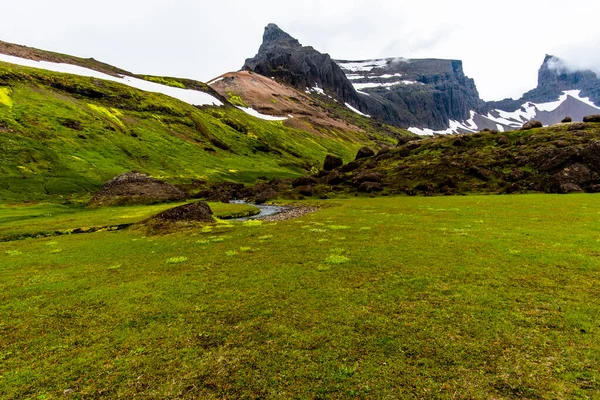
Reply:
x=502 y=43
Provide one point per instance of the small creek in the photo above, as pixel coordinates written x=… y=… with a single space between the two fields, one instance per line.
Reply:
x=265 y=210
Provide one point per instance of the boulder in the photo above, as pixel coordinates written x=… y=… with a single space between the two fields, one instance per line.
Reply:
x=367 y=177
x=198 y=211
x=532 y=124
x=304 y=181
x=351 y=166
x=264 y=196
x=480 y=173
x=370 y=187
x=570 y=188
x=332 y=162
x=566 y=120
x=134 y=188
x=305 y=190
x=576 y=126
x=364 y=152
x=571 y=179
x=334 y=178
x=592 y=118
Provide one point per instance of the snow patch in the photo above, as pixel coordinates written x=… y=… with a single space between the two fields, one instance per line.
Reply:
x=256 y=114
x=363 y=66
x=193 y=97
x=215 y=81
x=357 y=111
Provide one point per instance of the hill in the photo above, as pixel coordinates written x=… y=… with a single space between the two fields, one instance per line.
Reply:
x=65 y=133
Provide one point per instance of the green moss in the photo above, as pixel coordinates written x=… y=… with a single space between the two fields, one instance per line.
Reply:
x=164 y=81
x=236 y=99
x=5 y=97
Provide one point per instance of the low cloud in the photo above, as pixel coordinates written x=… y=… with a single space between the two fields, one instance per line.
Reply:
x=578 y=57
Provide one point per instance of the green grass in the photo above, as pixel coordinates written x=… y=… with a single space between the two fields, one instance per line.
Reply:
x=441 y=297
x=63 y=136
x=46 y=218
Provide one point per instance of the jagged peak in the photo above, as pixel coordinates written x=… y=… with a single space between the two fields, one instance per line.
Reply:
x=274 y=33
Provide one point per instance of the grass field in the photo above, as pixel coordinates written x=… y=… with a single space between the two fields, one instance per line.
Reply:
x=399 y=297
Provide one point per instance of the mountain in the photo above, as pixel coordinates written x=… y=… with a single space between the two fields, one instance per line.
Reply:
x=423 y=92
x=69 y=124
x=425 y=96
x=402 y=93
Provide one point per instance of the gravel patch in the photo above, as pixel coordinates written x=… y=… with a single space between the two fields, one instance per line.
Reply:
x=290 y=213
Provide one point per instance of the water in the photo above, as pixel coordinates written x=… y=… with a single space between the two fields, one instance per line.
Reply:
x=265 y=210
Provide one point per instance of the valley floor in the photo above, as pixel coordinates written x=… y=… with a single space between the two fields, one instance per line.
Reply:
x=399 y=297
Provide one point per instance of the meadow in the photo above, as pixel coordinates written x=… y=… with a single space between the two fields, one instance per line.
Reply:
x=391 y=297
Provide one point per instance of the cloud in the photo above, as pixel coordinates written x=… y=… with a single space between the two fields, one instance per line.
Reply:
x=580 y=56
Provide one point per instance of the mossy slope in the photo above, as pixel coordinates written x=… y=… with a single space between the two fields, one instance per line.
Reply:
x=65 y=135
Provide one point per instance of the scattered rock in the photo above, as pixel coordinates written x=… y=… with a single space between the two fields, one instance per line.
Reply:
x=480 y=173
x=502 y=140
x=571 y=179
x=364 y=152
x=576 y=126
x=198 y=211
x=264 y=196
x=531 y=125
x=290 y=213
x=592 y=118
x=332 y=162
x=351 y=166
x=305 y=190
x=566 y=120
x=367 y=177
x=570 y=188
x=334 y=178
x=304 y=181
x=370 y=187
x=135 y=188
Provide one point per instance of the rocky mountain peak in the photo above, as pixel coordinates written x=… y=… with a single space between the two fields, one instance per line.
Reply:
x=274 y=34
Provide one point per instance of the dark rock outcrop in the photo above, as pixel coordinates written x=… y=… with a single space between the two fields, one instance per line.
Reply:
x=135 y=188
x=566 y=120
x=441 y=91
x=198 y=211
x=332 y=162
x=571 y=179
x=364 y=152
x=284 y=58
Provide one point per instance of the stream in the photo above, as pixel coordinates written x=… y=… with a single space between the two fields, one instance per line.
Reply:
x=265 y=210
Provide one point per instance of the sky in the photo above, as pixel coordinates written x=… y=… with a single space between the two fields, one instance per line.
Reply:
x=502 y=43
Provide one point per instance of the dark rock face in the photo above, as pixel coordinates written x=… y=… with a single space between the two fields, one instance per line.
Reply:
x=199 y=211
x=554 y=77
x=364 y=152
x=531 y=125
x=566 y=120
x=283 y=57
x=135 y=188
x=332 y=162
x=416 y=92
x=441 y=90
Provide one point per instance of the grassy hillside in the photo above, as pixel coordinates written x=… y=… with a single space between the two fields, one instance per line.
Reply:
x=64 y=135
x=442 y=297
